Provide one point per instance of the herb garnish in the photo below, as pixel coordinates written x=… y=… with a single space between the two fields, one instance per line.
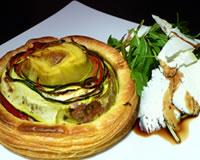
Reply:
x=142 y=52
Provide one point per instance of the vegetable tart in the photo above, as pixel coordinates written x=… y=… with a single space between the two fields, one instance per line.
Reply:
x=65 y=98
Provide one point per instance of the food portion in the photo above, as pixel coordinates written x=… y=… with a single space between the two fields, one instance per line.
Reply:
x=74 y=97
x=65 y=98
x=165 y=65
x=179 y=100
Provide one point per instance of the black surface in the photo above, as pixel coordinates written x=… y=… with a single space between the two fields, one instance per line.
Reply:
x=18 y=16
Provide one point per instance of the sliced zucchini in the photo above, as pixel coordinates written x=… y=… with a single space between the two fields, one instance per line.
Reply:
x=57 y=65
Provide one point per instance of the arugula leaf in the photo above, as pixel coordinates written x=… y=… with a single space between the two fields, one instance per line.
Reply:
x=113 y=42
x=142 y=52
x=141 y=78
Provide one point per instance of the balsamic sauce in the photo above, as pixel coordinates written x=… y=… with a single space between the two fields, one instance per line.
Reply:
x=164 y=133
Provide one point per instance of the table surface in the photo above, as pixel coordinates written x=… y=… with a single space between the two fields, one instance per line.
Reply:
x=18 y=16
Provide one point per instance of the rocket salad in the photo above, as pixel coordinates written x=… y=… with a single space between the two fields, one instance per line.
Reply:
x=141 y=51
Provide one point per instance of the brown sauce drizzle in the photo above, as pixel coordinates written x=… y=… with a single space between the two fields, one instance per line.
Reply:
x=192 y=105
x=193 y=45
x=168 y=107
x=163 y=133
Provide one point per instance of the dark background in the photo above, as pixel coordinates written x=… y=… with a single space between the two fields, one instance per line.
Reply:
x=17 y=16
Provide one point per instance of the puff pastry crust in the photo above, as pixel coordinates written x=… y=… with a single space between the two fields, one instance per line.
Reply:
x=36 y=140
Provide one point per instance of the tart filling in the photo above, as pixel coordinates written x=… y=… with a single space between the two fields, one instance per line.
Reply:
x=58 y=82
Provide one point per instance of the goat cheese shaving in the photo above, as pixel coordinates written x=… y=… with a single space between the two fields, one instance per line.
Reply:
x=178 y=50
x=169 y=31
x=151 y=106
x=177 y=53
x=164 y=25
x=142 y=31
x=189 y=83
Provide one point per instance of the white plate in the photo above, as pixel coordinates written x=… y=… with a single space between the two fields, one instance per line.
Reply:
x=77 y=18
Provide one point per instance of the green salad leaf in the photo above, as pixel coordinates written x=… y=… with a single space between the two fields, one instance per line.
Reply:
x=140 y=52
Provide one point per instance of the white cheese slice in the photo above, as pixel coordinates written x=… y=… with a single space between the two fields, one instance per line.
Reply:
x=164 y=25
x=143 y=31
x=176 y=54
x=169 y=31
x=178 y=49
x=189 y=83
x=151 y=103
x=174 y=47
